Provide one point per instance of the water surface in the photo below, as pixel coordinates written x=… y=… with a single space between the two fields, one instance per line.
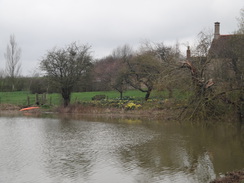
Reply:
x=64 y=150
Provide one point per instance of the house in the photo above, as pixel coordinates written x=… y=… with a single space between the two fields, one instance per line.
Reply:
x=224 y=63
x=225 y=56
x=224 y=46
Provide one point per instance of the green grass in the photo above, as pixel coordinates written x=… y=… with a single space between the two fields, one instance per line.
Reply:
x=87 y=96
x=21 y=97
x=13 y=97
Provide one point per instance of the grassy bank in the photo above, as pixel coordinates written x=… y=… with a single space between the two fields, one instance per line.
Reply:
x=24 y=97
x=133 y=103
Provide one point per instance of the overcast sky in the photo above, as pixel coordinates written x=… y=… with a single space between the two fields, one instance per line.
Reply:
x=40 y=25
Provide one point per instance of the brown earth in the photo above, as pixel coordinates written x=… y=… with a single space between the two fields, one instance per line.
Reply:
x=9 y=107
x=14 y=110
x=231 y=177
x=166 y=114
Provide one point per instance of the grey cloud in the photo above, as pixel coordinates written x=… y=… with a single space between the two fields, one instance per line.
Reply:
x=105 y=24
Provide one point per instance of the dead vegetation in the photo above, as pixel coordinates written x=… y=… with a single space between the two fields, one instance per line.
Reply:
x=9 y=107
x=167 y=114
x=231 y=177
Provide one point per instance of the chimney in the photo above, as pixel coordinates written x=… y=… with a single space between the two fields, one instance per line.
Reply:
x=188 y=53
x=216 y=30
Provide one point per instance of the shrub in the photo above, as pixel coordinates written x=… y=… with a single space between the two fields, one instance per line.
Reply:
x=131 y=106
x=99 y=97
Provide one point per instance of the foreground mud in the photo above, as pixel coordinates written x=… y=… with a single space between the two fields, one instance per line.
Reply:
x=231 y=177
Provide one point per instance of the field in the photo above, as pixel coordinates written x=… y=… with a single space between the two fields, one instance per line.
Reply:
x=25 y=98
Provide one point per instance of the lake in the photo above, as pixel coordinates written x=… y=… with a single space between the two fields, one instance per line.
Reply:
x=107 y=150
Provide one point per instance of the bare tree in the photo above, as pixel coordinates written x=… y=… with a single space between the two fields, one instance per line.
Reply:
x=122 y=54
x=167 y=57
x=204 y=41
x=241 y=22
x=12 y=56
x=110 y=74
x=143 y=70
x=217 y=72
x=66 y=66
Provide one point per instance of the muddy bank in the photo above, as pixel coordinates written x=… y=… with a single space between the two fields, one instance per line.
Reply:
x=231 y=177
x=14 y=110
x=9 y=109
x=165 y=114
x=170 y=112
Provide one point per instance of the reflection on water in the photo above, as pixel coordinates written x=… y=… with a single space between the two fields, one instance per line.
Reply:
x=45 y=150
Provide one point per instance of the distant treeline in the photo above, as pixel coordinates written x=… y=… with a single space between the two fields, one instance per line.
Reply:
x=42 y=85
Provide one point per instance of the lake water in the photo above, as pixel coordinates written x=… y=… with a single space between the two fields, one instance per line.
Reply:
x=69 y=150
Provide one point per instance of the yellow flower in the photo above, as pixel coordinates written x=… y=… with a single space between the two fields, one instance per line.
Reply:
x=130 y=105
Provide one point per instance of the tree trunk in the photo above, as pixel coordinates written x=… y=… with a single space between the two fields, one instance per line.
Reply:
x=148 y=94
x=121 y=95
x=66 y=96
x=66 y=101
x=170 y=92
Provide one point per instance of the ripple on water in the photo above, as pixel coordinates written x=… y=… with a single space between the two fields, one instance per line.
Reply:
x=64 y=150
